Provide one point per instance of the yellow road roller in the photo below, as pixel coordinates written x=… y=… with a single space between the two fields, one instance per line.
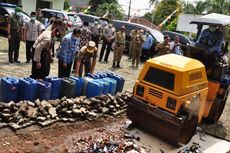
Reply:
x=172 y=95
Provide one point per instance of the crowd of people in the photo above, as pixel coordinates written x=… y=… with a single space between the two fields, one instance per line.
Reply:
x=78 y=50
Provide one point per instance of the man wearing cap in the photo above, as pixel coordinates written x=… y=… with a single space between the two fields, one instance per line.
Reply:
x=32 y=31
x=15 y=33
x=85 y=37
x=95 y=29
x=66 y=52
x=211 y=39
x=119 y=47
x=164 y=47
x=86 y=57
x=138 y=41
x=109 y=33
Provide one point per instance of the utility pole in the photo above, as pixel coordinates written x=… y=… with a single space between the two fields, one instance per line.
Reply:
x=129 y=9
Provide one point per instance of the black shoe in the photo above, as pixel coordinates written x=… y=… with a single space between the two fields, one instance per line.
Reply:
x=99 y=60
x=106 y=61
x=27 y=61
x=114 y=66
x=11 y=61
x=17 y=61
x=118 y=66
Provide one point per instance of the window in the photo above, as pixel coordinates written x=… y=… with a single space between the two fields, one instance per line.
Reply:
x=60 y=16
x=160 y=78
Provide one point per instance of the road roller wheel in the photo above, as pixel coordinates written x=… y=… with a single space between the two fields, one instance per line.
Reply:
x=216 y=109
x=188 y=129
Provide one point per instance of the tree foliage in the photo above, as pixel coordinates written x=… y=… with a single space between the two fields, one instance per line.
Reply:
x=95 y=3
x=209 y=6
x=195 y=8
x=66 y=4
x=165 y=8
x=114 y=11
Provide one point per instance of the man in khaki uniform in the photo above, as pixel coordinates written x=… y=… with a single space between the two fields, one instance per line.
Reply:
x=15 y=33
x=164 y=48
x=138 y=41
x=133 y=33
x=119 y=47
x=86 y=57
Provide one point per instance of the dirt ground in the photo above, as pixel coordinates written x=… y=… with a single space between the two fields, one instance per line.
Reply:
x=59 y=137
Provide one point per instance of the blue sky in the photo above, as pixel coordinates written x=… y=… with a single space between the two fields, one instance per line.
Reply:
x=138 y=7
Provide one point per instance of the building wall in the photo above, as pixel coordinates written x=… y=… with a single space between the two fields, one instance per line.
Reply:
x=30 y=5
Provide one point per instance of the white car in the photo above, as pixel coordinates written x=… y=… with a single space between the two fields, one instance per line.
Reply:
x=73 y=20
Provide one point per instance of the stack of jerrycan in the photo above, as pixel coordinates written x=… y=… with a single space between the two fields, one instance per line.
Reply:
x=55 y=87
x=43 y=90
x=93 y=88
x=111 y=83
x=79 y=86
x=27 y=89
x=67 y=87
x=105 y=85
x=9 y=89
x=120 y=80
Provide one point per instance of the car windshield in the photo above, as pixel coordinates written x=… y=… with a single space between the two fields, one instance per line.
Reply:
x=74 y=18
x=157 y=35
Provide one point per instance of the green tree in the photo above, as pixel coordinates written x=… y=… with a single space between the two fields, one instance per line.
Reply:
x=196 y=8
x=165 y=8
x=95 y=3
x=66 y=4
x=218 y=6
x=114 y=10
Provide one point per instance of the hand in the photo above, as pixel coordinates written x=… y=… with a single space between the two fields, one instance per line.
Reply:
x=65 y=65
x=51 y=60
x=9 y=36
x=38 y=65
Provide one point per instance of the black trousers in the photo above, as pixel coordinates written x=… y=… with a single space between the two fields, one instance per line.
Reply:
x=45 y=66
x=87 y=65
x=95 y=38
x=63 y=72
x=14 y=45
x=145 y=54
x=108 y=49
x=29 y=45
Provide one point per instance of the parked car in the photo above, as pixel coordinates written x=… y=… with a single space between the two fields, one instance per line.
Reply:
x=73 y=20
x=156 y=35
x=88 y=18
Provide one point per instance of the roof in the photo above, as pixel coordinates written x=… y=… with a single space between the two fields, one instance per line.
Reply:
x=8 y=5
x=212 y=19
x=157 y=34
x=177 y=62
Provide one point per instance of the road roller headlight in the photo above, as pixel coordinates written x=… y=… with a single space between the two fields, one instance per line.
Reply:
x=192 y=106
x=140 y=90
x=171 y=103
